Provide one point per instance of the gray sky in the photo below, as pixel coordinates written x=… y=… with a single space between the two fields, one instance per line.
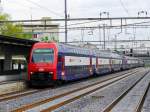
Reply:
x=22 y=9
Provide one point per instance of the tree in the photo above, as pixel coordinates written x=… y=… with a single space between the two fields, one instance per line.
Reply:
x=4 y=17
x=11 y=29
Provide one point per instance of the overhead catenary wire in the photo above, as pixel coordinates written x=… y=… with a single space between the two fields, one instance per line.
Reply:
x=86 y=28
x=94 y=27
x=96 y=20
x=112 y=26
x=125 y=9
x=47 y=9
x=81 y=19
x=82 y=23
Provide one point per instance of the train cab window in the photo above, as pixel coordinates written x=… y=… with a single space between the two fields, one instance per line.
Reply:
x=43 y=55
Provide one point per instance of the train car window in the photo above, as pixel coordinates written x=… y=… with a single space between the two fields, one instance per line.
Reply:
x=73 y=51
x=85 y=52
x=82 y=51
x=77 y=51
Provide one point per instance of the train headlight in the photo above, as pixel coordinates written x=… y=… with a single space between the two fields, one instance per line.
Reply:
x=31 y=73
x=62 y=73
x=90 y=70
x=50 y=72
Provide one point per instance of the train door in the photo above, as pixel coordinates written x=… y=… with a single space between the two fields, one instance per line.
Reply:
x=110 y=65
x=90 y=67
x=96 y=65
x=60 y=67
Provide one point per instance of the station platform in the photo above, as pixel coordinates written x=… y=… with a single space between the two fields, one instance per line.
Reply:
x=13 y=77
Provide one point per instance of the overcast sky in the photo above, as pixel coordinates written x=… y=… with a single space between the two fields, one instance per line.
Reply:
x=22 y=9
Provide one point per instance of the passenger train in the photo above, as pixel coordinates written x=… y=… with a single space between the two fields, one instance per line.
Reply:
x=52 y=62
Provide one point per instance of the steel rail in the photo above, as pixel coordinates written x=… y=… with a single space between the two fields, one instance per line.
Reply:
x=117 y=78
x=118 y=99
x=17 y=94
x=13 y=95
x=59 y=105
x=141 y=102
x=9 y=82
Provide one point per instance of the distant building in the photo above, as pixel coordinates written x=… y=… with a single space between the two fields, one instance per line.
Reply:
x=44 y=30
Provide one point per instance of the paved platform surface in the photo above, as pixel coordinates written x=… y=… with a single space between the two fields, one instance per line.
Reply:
x=14 y=77
x=12 y=87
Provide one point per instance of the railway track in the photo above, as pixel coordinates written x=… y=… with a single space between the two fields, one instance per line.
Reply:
x=145 y=101
x=9 y=82
x=120 y=104
x=57 y=101
x=111 y=99
x=11 y=86
x=12 y=95
x=17 y=94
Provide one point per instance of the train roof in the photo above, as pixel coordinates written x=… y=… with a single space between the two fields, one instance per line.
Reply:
x=70 y=49
x=131 y=58
x=76 y=50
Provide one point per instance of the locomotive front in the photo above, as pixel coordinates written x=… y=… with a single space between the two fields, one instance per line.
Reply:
x=42 y=64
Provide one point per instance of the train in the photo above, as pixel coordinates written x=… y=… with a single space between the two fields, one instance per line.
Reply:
x=51 y=62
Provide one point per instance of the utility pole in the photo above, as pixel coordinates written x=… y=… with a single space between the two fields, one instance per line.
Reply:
x=82 y=35
x=66 y=35
x=31 y=19
x=116 y=42
x=104 y=35
x=99 y=35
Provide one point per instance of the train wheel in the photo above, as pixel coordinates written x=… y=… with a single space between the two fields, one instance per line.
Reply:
x=121 y=69
x=59 y=82
x=112 y=71
x=29 y=84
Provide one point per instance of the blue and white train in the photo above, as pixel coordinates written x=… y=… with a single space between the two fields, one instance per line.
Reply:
x=51 y=62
